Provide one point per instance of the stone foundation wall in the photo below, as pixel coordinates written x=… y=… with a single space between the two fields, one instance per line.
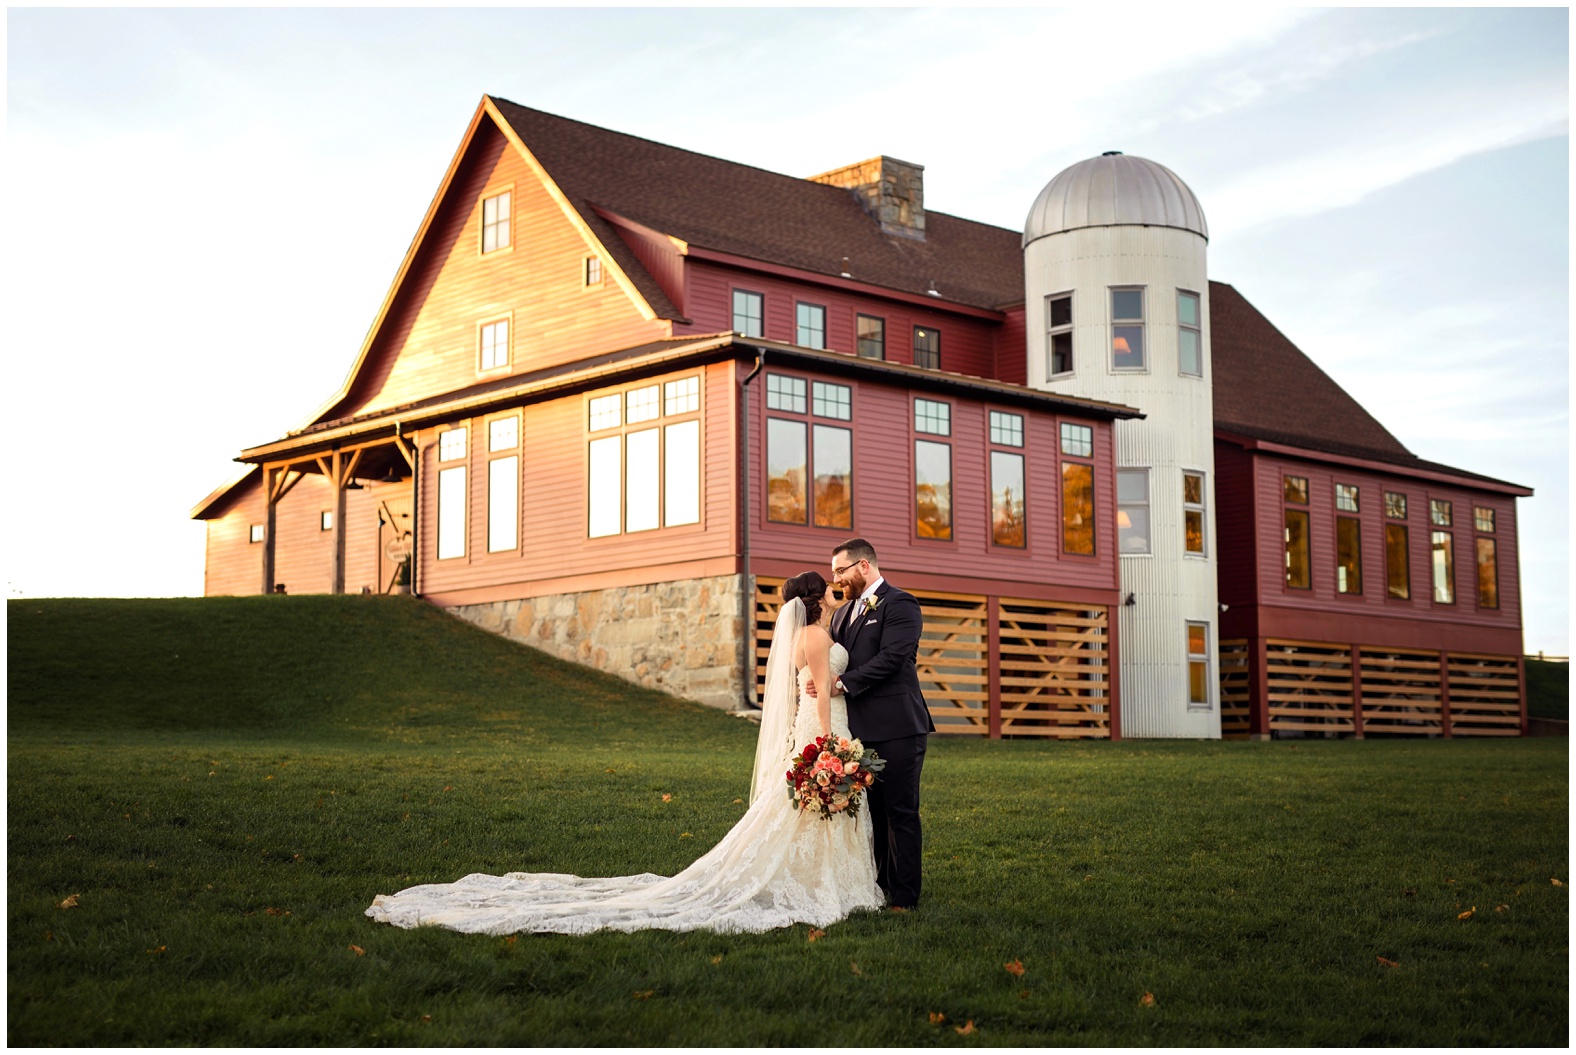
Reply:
x=680 y=637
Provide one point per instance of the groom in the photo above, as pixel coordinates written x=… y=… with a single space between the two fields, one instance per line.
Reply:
x=879 y=626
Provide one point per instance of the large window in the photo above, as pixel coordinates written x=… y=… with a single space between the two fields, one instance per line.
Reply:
x=1190 y=335
x=809 y=466
x=1193 y=523
x=1198 y=679
x=495 y=345
x=748 y=313
x=1127 y=329
x=871 y=337
x=646 y=475
x=927 y=348
x=810 y=325
x=932 y=489
x=1059 y=334
x=1007 y=522
x=452 y=494
x=1299 y=576
x=495 y=222
x=1077 y=508
x=503 y=484
x=1442 y=547
x=1397 y=551
x=1132 y=510
x=1487 y=558
x=1348 y=555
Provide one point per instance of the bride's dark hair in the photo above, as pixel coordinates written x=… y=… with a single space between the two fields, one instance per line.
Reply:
x=810 y=588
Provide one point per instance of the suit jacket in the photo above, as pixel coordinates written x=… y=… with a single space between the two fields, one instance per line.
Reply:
x=881 y=684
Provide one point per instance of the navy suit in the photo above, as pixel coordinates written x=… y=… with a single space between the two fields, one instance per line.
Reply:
x=887 y=711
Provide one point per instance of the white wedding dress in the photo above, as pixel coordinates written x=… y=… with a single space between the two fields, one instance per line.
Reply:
x=777 y=866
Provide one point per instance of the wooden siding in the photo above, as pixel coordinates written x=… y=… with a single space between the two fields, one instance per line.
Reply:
x=967 y=345
x=1011 y=350
x=554 y=495
x=364 y=539
x=303 y=551
x=429 y=342
x=1235 y=682
x=1236 y=561
x=233 y=565
x=883 y=495
x=1420 y=609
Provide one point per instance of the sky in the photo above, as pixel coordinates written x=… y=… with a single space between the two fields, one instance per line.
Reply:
x=204 y=208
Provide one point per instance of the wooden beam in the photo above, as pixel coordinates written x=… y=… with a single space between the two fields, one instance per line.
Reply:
x=993 y=663
x=330 y=471
x=285 y=488
x=406 y=452
x=268 y=530
x=348 y=472
x=341 y=474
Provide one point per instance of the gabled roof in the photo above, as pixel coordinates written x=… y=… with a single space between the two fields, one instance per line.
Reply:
x=766 y=216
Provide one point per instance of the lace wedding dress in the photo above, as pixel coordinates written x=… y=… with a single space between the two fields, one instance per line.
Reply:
x=775 y=868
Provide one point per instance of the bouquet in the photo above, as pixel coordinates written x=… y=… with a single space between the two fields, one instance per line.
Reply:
x=831 y=774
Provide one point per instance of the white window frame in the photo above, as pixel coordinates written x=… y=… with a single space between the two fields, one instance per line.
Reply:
x=452 y=444
x=452 y=501
x=256 y=533
x=325 y=520
x=1123 y=507
x=1208 y=703
x=591 y=271
x=1197 y=329
x=647 y=475
x=1201 y=507
x=487 y=355
x=503 y=503
x=503 y=226
x=1141 y=323
x=1052 y=332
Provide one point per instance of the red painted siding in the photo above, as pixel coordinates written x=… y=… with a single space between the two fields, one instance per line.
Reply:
x=303 y=551
x=1236 y=535
x=364 y=540
x=967 y=345
x=1012 y=349
x=233 y=564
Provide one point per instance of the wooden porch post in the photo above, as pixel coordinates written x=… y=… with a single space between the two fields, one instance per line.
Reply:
x=1444 y=694
x=1258 y=689
x=993 y=664
x=1521 y=688
x=1357 y=692
x=270 y=474
x=339 y=482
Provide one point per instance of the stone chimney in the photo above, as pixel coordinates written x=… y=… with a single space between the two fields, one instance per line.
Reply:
x=891 y=191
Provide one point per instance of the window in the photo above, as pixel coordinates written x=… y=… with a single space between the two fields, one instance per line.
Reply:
x=1444 y=561
x=1132 y=510
x=1198 y=680
x=681 y=397
x=1077 y=508
x=1193 y=513
x=1299 y=574
x=1438 y=513
x=1346 y=498
x=641 y=404
x=606 y=412
x=451 y=445
x=451 y=512
x=593 y=271
x=1190 y=336
x=834 y=474
x=1394 y=505
x=747 y=313
x=809 y=484
x=1059 y=334
x=1127 y=329
x=503 y=503
x=785 y=393
x=932 y=489
x=1296 y=489
x=1488 y=573
x=1348 y=555
x=932 y=417
x=1006 y=429
x=1006 y=499
x=1077 y=440
x=1397 y=562
x=325 y=520
x=831 y=401
x=810 y=325
x=503 y=434
x=871 y=337
x=786 y=470
x=648 y=477
x=495 y=222
x=256 y=534
x=1483 y=519
x=495 y=344
x=927 y=348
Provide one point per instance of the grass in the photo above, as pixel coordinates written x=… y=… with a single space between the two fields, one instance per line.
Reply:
x=1548 y=689
x=224 y=784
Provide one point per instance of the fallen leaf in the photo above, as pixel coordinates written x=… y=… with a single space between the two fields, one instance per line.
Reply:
x=937 y=1018
x=155 y=952
x=71 y=838
x=274 y=911
x=855 y=968
x=448 y=787
x=645 y=994
x=612 y=771
x=1467 y=914
x=269 y=777
x=1450 y=881
x=70 y=902
x=667 y=796
x=1014 y=967
x=717 y=958
x=737 y=801
x=49 y=935
x=1556 y=882
x=966 y=1028
x=1501 y=908
x=1023 y=994
x=1408 y=892
x=511 y=939
x=1388 y=963
x=1088 y=878
x=426 y=1018
x=358 y=950
x=685 y=835
x=816 y=933
x=1147 y=1000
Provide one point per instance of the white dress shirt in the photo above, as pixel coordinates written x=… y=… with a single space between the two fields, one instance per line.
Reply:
x=870 y=591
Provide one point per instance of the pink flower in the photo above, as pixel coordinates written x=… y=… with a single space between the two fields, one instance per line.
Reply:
x=852 y=767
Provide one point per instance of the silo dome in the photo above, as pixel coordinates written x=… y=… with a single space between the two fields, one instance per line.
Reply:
x=1114 y=189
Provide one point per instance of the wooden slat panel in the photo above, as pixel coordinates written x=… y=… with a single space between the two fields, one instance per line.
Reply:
x=1069 y=648
x=1485 y=695
x=1310 y=687
x=1401 y=692
x=1234 y=682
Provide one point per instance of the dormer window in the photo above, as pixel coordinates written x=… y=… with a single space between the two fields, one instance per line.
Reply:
x=748 y=313
x=495 y=345
x=495 y=222
x=593 y=271
x=810 y=331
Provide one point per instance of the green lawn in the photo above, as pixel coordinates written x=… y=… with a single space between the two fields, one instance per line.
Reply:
x=224 y=784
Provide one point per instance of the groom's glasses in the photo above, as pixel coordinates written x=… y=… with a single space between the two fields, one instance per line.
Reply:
x=837 y=573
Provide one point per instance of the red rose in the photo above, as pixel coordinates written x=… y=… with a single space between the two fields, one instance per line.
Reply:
x=811 y=751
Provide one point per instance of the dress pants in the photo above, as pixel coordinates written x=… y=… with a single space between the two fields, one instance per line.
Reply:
x=894 y=816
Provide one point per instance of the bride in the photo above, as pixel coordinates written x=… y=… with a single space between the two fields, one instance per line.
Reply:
x=777 y=866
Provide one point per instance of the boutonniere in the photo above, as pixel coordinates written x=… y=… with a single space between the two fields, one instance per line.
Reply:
x=872 y=603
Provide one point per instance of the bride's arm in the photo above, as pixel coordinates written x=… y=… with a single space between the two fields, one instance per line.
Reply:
x=817 y=652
